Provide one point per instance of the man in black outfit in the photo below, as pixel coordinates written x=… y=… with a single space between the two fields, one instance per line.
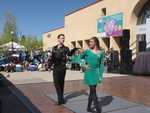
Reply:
x=59 y=58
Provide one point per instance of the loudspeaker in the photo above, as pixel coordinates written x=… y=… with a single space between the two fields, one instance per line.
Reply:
x=114 y=62
x=126 y=61
x=142 y=46
x=126 y=56
x=125 y=39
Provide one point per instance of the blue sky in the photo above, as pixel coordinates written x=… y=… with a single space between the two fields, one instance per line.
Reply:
x=37 y=16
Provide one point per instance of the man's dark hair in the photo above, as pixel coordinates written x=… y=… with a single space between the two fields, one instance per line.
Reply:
x=60 y=36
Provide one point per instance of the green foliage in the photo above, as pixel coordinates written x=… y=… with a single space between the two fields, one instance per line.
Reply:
x=9 y=26
x=31 y=43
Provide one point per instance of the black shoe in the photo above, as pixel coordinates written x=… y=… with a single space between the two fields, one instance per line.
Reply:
x=89 y=110
x=98 y=109
x=63 y=101
x=59 y=103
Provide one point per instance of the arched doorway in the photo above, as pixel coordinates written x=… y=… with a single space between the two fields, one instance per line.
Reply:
x=143 y=25
x=144 y=14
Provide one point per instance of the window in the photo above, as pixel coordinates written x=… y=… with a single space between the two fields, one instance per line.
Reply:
x=104 y=11
x=49 y=35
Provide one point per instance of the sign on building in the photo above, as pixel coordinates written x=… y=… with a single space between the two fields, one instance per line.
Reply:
x=110 y=25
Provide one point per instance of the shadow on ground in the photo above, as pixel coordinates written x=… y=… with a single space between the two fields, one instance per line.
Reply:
x=75 y=94
x=10 y=103
x=103 y=101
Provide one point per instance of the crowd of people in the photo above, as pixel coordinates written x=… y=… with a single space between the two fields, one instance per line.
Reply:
x=21 y=61
x=38 y=61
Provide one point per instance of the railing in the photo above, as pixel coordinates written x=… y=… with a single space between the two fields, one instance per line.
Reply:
x=135 y=48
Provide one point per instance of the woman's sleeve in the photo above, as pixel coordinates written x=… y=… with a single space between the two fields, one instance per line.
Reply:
x=101 y=68
x=83 y=55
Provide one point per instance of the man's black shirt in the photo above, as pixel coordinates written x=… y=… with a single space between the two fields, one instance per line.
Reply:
x=59 y=56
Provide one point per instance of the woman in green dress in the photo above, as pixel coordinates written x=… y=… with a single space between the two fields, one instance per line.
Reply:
x=73 y=62
x=77 y=60
x=93 y=75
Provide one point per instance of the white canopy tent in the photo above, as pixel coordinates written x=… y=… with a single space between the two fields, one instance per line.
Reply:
x=9 y=45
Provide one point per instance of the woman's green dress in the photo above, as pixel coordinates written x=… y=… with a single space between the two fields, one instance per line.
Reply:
x=72 y=59
x=75 y=59
x=95 y=61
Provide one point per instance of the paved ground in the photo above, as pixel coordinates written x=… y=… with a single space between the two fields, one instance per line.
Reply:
x=40 y=77
x=31 y=88
x=9 y=103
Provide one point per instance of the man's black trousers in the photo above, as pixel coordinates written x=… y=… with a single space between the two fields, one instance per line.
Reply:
x=59 y=79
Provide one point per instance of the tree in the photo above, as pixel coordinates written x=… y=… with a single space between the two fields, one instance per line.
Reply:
x=31 y=42
x=9 y=26
x=22 y=39
x=0 y=40
x=40 y=43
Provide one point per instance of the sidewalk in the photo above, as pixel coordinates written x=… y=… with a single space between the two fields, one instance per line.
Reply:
x=9 y=103
x=34 y=95
x=40 y=77
x=128 y=88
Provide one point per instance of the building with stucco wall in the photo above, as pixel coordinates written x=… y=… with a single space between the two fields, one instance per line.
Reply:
x=82 y=24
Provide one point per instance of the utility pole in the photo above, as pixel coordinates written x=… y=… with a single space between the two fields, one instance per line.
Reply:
x=12 y=39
